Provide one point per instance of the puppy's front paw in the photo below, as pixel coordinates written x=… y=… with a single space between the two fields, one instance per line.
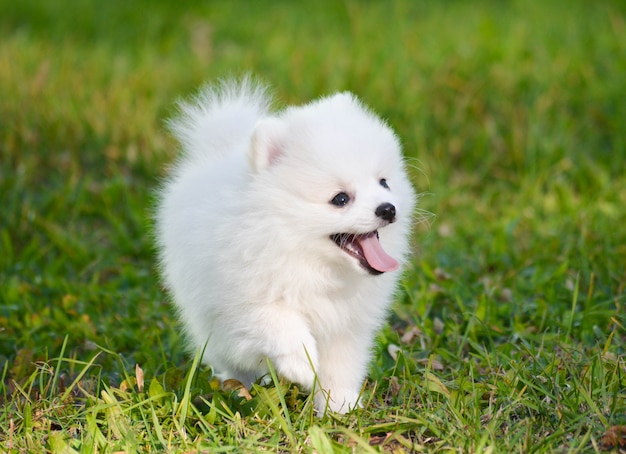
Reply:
x=298 y=365
x=336 y=401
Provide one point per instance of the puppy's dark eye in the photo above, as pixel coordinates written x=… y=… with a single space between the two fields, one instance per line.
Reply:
x=340 y=199
x=383 y=183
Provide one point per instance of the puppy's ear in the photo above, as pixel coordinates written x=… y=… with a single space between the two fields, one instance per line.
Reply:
x=268 y=143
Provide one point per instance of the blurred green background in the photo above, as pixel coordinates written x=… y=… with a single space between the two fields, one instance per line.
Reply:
x=508 y=332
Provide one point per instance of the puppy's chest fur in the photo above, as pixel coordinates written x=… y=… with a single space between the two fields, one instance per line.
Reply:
x=334 y=307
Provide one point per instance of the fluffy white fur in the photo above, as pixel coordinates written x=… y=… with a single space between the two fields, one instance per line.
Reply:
x=244 y=227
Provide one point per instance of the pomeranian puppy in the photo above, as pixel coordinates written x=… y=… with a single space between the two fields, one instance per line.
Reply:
x=282 y=236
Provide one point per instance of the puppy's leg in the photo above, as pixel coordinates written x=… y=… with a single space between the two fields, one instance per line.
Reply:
x=291 y=348
x=343 y=366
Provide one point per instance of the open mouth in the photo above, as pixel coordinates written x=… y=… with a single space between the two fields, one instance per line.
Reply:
x=367 y=250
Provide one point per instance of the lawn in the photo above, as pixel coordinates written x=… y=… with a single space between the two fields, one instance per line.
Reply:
x=508 y=333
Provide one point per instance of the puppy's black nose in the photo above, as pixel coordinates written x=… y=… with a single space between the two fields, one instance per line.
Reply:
x=386 y=211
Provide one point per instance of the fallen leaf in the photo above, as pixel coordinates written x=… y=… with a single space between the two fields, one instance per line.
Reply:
x=379 y=439
x=139 y=376
x=432 y=362
x=438 y=325
x=445 y=230
x=506 y=295
x=393 y=351
x=614 y=437
x=441 y=274
x=232 y=385
x=410 y=335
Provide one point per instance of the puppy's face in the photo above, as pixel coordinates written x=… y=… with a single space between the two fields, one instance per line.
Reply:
x=361 y=239
x=338 y=183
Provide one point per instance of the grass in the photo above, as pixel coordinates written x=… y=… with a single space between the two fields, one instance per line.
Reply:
x=508 y=333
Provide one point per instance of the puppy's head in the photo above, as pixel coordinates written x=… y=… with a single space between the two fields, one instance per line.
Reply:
x=334 y=179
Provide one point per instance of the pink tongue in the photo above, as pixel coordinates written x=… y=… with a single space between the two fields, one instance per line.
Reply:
x=375 y=255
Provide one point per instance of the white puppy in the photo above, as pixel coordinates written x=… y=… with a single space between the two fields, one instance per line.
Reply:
x=282 y=235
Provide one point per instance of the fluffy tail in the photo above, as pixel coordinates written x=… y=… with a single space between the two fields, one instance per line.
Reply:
x=220 y=115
